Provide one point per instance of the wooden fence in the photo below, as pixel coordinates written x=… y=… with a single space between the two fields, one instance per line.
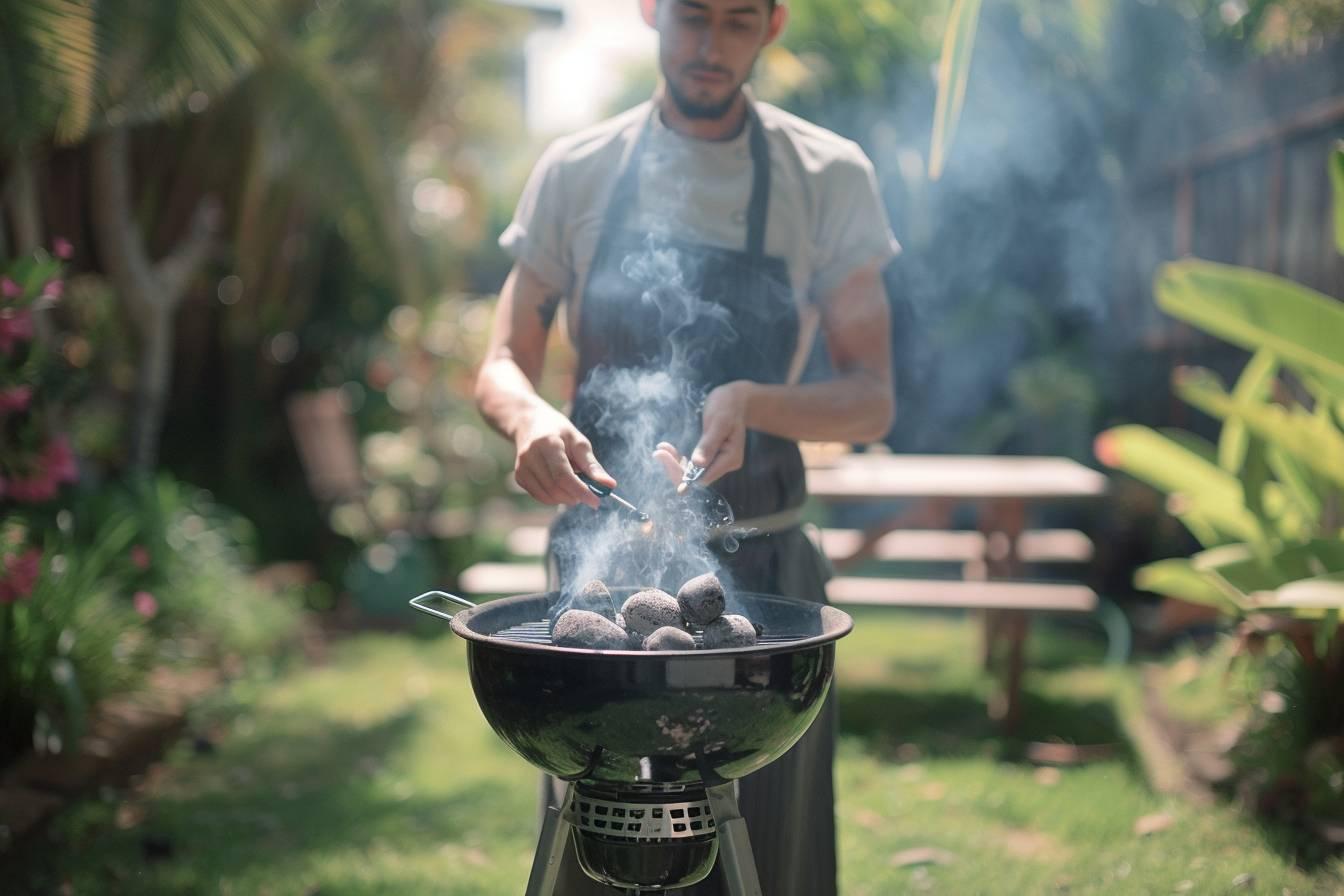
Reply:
x=1236 y=173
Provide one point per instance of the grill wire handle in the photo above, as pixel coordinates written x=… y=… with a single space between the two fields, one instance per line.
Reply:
x=419 y=603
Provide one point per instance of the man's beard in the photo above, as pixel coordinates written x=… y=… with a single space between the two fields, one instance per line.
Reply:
x=701 y=111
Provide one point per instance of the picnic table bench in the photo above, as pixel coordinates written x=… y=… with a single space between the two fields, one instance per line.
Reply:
x=1001 y=492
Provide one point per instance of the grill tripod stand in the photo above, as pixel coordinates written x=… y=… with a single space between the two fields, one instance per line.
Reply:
x=735 y=857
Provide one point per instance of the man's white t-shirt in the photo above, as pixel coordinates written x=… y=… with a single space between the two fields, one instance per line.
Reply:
x=825 y=218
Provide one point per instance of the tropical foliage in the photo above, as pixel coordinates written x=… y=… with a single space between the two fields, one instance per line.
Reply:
x=97 y=581
x=1266 y=501
x=328 y=167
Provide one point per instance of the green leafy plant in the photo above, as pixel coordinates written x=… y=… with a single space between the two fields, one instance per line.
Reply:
x=1265 y=501
x=68 y=637
x=96 y=582
x=188 y=570
x=35 y=456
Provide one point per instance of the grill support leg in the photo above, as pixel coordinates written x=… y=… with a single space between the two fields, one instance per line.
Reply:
x=555 y=832
x=735 y=857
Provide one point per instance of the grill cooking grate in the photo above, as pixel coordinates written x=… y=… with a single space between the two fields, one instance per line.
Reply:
x=540 y=633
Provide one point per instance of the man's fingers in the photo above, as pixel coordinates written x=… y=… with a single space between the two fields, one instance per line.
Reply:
x=670 y=460
x=711 y=442
x=567 y=485
x=582 y=457
x=529 y=483
x=537 y=468
x=555 y=492
x=726 y=460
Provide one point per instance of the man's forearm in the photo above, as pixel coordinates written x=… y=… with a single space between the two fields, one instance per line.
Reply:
x=852 y=408
x=506 y=398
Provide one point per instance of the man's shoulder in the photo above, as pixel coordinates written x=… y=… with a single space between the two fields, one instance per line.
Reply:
x=598 y=144
x=818 y=148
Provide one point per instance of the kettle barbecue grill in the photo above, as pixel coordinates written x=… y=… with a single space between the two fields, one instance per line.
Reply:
x=650 y=743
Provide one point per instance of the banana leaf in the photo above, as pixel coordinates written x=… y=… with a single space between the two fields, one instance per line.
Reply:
x=1210 y=495
x=1192 y=442
x=1255 y=310
x=1248 y=571
x=1300 y=486
x=1178 y=578
x=1316 y=597
x=1306 y=436
x=1204 y=532
x=1254 y=477
x=1253 y=385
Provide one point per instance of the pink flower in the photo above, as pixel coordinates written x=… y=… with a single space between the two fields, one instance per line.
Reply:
x=15 y=327
x=33 y=489
x=9 y=289
x=145 y=604
x=140 y=556
x=54 y=289
x=15 y=398
x=20 y=575
x=60 y=460
x=62 y=247
x=55 y=465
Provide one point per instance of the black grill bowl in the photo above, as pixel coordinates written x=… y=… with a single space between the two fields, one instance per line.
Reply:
x=636 y=718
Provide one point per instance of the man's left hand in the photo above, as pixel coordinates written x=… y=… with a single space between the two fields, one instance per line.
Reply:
x=724 y=435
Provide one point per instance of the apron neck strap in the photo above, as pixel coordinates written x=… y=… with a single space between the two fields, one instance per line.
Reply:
x=760 y=184
x=625 y=195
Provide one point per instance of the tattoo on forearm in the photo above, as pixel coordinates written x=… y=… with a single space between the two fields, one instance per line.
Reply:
x=547 y=309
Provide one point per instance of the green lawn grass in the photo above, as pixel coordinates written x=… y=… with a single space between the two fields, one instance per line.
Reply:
x=375 y=773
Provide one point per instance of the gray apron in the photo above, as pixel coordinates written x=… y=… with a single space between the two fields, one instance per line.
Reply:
x=743 y=324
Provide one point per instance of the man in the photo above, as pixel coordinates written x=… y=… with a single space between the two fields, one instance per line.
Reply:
x=697 y=243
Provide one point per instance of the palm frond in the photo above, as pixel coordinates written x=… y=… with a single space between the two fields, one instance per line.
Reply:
x=48 y=69
x=155 y=55
x=62 y=62
x=336 y=140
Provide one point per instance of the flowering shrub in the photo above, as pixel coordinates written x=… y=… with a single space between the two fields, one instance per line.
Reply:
x=68 y=637
x=97 y=581
x=35 y=457
x=20 y=574
x=186 y=571
x=63 y=634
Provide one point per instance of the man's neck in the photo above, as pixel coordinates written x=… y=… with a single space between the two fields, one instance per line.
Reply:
x=724 y=128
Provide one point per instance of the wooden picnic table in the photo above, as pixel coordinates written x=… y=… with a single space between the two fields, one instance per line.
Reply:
x=1001 y=491
x=871 y=477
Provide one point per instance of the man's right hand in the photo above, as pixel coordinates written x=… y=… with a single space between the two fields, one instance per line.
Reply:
x=549 y=451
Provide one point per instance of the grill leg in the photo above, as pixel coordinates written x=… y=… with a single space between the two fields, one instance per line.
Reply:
x=739 y=865
x=551 y=845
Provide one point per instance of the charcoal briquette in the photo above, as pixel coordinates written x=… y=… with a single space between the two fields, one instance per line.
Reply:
x=670 y=638
x=584 y=628
x=730 y=630
x=647 y=611
x=701 y=599
x=633 y=640
x=596 y=598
